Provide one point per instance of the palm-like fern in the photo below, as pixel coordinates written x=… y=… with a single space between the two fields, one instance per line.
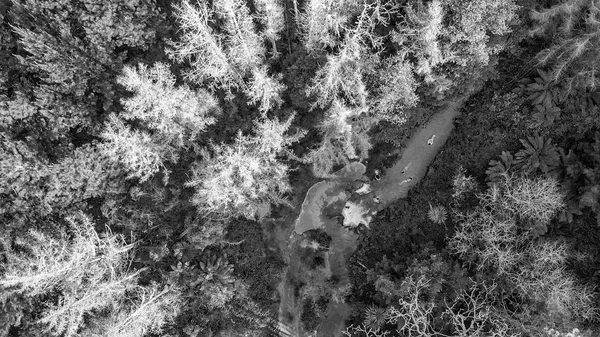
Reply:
x=538 y=153
x=498 y=168
x=437 y=214
x=375 y=317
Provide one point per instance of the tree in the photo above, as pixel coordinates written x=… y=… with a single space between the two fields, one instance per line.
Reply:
x=395 y=91
x=322 y=23
x=150 y=309
x=573 y=26
x=340 y=85
x=265 y=90
x=178 y=113
x=272 y=16
x=172 y=116
x=342 y=140
x=88 y=273
x=537 y=200
x=75 y=48
x=451 y=41
x=226 y=58
x=33 y=188
x=497 y=237
x=342 y=76
x=203 y=49
x=246 y=177
x=136 y=150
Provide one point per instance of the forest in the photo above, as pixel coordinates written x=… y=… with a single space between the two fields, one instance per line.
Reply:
x=158 y=157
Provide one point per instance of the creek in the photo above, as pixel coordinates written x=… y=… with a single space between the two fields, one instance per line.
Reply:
x=323 y=206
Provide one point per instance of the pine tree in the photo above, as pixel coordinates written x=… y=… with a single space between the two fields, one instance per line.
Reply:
x=246 y=177
x=322 y=22
x=272 y=16
x=89 y=274
x=342 y=140
x=265 y=89
x=449 y=42
x=395 y=92
x=340 y=85
x=76 y=48
x=136 y=150
x=177 y=113
x=244 y=46
x=574 y=28
x=203 y=48
x=144 y=312
x=342 y=76
x=223 y=57
x=173 y=118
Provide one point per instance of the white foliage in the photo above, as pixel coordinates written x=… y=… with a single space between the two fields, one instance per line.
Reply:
x=148 y=312
x=173 y=115
x=243 y=45
x=202 y=47
x=535 y=199
x=265 y=90
x=342 y=76
x=89 y=272
x=178 y=113
x=323 y=21
x=493 y=234
x=272 y=16
x=246 y=177
x=136 y=150
x=341 y=142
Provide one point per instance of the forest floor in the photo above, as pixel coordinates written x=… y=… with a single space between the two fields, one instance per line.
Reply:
x=412 y=166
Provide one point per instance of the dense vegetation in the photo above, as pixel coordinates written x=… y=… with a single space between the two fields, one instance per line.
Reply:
x=152 y=152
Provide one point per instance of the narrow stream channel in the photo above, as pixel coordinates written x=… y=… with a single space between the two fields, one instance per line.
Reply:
x=332 y=194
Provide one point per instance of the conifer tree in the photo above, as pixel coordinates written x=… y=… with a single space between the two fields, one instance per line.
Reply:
x=173 y=118
x=148 y=310
x=244 y=46
x=340 y=85
x=265 y=90
x=450 y=41
x=272 y=16
x=89 y=273
x=322 y=22
x=223 y=58
x=342 y=140
x=202 y=47
x=76 y=48
x=246 y=177
x=574 y=29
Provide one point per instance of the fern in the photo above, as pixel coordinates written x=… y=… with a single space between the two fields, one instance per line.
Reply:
x=498 y=168
x=375 y=317
x=545 y=116
x=538 y=154
x=544 y=91
x=437 y=214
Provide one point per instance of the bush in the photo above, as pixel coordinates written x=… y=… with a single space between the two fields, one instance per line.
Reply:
x=537 y=200
x=494 y=235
